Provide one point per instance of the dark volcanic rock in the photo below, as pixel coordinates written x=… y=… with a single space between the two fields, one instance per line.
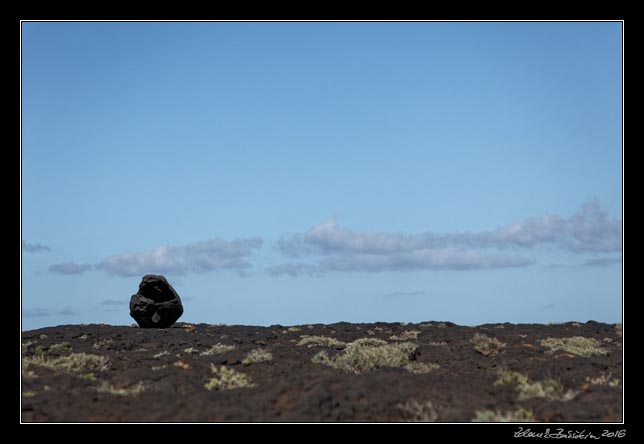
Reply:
x=157 y=304
x=294 y=387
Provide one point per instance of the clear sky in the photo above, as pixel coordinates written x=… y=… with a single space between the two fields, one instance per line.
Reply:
x=320 y=172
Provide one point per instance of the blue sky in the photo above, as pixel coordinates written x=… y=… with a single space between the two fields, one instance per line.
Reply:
x=320 y=172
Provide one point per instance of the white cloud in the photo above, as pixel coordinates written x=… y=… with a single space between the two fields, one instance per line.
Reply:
x=294 y=269
x=38 y=312
x=70 y=268
x=588 y=230
x=35 y=313
x=423 y=259
x=114 y=302
x=34 y=248
x=591 y=230
x=198 y=257
x=603 y=261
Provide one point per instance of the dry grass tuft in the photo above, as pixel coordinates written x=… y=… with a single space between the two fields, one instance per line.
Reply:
x=406 y=335
x=577 y=345
x=415 y=411
x=369 y=354
x=604 y=379
x=182 y=364
x=549 y=388
x=62 y=347
x=486 y=345
x=136 y=389
x=257 y=355
x=421 y=367
x=102 y=343
x=225 y=378
x=218 y=349
x=519 y=415
x=322 y=341
x=161 y=354
x=362 y=342
x=507 y=377
x=73 y=363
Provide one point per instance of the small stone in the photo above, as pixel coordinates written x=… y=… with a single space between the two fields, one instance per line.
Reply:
x=156 y=304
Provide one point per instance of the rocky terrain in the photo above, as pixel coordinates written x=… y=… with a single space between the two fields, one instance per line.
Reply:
x=379 y=372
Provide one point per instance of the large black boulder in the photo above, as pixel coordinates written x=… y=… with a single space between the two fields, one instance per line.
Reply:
x=157 y=304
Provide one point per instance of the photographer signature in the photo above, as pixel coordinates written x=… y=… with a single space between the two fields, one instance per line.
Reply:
x=568 y=434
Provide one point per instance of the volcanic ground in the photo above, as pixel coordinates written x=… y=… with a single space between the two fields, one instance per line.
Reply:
x=343 y=372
